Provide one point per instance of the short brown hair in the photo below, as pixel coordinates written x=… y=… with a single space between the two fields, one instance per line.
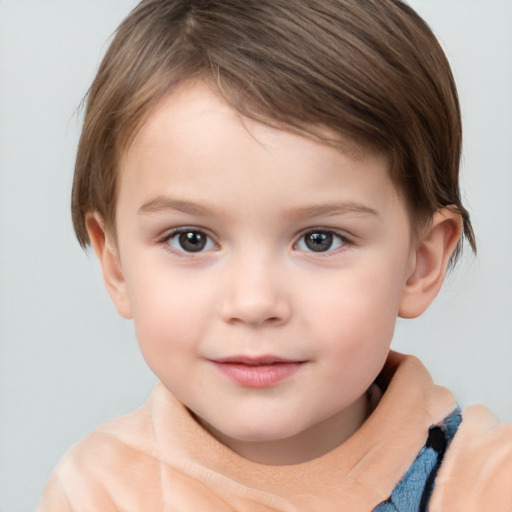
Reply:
x=370 y=70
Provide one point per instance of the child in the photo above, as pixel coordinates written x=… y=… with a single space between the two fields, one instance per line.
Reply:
x=268 y=184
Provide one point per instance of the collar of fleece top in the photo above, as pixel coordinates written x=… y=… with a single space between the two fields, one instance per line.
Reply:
x=359 y=474
x=160 y=458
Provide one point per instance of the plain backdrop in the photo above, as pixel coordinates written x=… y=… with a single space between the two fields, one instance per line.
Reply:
x=68 y=363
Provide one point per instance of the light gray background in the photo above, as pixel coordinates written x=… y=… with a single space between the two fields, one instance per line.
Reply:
x=68 y=362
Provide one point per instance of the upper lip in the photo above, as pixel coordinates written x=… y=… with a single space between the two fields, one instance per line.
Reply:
x=255 y=360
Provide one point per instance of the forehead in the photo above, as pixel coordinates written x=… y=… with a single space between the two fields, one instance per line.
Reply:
x=193 y=141
x=199 y=98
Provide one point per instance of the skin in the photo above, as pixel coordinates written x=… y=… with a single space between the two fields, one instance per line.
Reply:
x=257 y=289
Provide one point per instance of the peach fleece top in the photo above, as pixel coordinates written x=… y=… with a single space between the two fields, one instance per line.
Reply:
x=158 y=458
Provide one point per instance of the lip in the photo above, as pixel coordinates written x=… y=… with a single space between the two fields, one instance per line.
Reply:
x=257 y=372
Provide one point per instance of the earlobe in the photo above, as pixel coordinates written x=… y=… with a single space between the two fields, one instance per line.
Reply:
x=431 y=258
x=108 y=257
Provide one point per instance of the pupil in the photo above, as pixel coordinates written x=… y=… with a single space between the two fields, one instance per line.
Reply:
x=192 y=241
x=319 y=242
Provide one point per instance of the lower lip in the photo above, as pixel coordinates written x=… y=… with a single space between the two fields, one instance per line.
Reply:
x=258 y=376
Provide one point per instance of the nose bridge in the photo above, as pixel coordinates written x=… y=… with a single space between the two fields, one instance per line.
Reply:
x=255 y=290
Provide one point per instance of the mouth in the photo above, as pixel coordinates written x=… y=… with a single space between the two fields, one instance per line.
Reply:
x=257 y=372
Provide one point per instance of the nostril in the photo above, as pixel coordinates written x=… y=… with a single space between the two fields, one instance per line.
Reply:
x=254 y=296
x=251 y=313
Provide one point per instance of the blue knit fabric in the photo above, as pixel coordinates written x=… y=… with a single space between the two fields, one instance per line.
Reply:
x=413 y=492
x=408 y=493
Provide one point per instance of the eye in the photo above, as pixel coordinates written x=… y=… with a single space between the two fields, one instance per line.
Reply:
x=190 y=240
x=320 y=241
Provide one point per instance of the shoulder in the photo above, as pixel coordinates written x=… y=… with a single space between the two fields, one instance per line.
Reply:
x=123 y=439
x=476 y=473
x=93 y=471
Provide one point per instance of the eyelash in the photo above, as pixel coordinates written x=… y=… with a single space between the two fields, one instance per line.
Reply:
x=342 y=240
x=167 y=239
x=209 y=243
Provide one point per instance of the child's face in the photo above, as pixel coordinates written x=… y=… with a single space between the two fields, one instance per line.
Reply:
x=264 y=272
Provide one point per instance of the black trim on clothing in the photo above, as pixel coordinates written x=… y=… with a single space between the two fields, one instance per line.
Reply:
x=437 y=441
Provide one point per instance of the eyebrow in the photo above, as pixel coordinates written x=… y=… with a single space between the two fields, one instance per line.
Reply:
x=161 y=204
x=331 y=209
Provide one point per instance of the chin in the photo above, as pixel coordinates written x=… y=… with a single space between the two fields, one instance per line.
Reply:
x=262 y=432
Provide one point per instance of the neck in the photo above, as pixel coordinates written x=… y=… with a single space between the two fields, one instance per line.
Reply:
x=309 y=444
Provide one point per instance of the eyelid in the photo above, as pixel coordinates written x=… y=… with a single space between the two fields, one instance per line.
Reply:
x=336 y=233
x=168 y=235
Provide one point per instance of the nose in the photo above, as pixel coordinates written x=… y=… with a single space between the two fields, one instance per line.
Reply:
x=255 y=293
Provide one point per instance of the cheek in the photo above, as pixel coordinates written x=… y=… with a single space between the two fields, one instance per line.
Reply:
x=355 y=318
x=356 y=338
x=356 y=332
x=357 y=306
x=170 y=313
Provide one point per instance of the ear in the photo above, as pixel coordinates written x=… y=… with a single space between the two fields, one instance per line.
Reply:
x=108 y=256
x=431 y=258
